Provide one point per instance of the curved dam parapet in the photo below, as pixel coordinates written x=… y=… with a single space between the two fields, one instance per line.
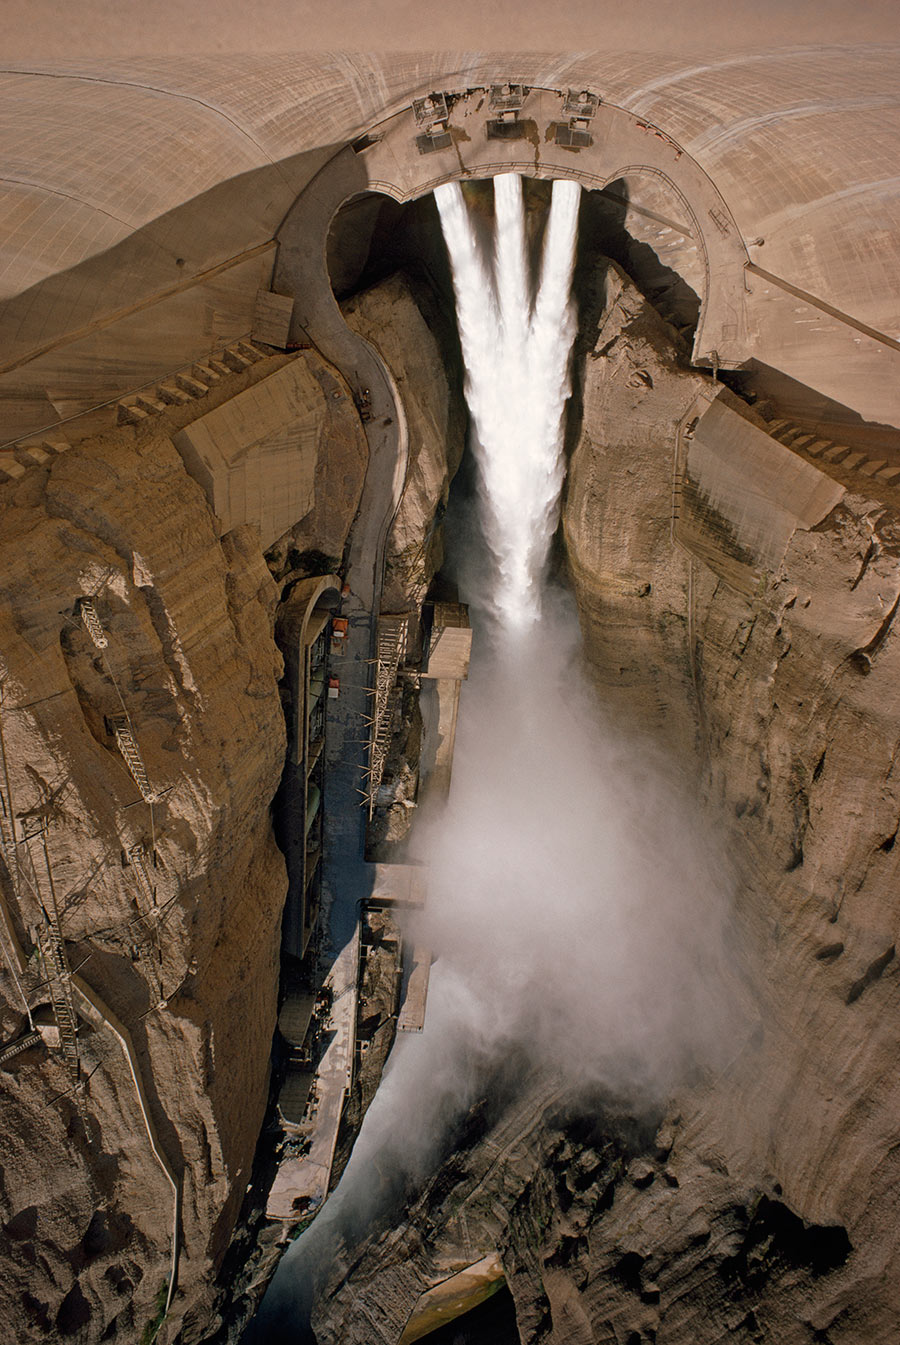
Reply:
x=181 y=230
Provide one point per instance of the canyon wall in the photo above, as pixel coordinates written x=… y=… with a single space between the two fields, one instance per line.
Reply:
x=144 y=749
x=143 y=742
x=400 y=322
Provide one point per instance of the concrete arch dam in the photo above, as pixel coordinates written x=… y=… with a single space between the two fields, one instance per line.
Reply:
x=230 y=391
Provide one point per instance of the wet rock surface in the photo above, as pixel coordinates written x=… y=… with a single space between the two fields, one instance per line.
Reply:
x=379 y=999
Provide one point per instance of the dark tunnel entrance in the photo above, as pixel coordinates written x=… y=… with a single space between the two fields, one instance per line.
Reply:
x=372 y=236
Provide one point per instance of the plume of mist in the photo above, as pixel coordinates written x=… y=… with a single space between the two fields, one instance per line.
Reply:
x=572 y=887
x=578 y=916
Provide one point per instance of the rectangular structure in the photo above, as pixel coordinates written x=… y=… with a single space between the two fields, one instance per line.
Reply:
x=256 y=455
x=449 y=642
x=272 y=319
x=398 y=885
x=411 y=1017
x=740 y=494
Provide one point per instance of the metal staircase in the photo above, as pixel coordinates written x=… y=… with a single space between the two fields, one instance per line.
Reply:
x=149 y=943
x=139 y=864
x=57 y=973
x=23 y=1044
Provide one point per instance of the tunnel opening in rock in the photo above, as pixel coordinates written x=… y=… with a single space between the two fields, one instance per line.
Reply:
x=492 y=1322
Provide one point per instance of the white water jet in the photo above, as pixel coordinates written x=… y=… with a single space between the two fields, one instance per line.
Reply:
x=516 y=350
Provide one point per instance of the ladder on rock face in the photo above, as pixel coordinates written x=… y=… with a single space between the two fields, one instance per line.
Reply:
x=50 y=943
x=7 y=839
x=139 y=865
x=55 y=962
x=148 y=956
x=23 y=1044
x=7 y=820
x=131 y=753
x=149 y=943
x=57 y=973
x=92 y=623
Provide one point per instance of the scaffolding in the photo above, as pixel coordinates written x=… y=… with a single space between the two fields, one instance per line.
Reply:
x=148 y=920
x=137 y=856
x=391 y=635
x=580 y=108
x=507 y=97
x=581 y=103
x=506 y=102
x=17 y=835
x=48 y=937
x=432 y=115
x=35 y=884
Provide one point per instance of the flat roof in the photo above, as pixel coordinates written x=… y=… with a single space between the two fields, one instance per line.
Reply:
x=398 y=885
x=294 y=1018
x=412 y=1009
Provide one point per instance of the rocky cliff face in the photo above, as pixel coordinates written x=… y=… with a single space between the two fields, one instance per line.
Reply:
x=190 y=658
x=399 y=323
x=794 y=713
x=759 y=1206
x=143 y=743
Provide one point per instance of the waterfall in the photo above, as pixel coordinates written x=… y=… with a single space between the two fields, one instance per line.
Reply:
x=516 y=348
